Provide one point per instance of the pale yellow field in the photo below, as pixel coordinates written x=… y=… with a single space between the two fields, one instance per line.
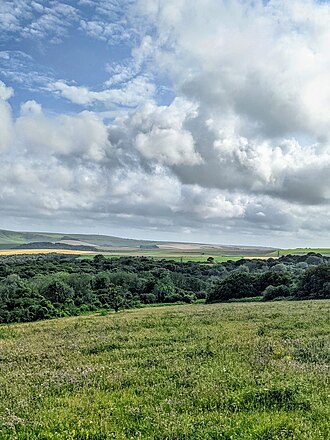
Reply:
x=43 y=251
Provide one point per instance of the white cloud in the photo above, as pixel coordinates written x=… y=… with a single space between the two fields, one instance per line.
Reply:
x=6 y=124
x=37 y=21
x=262 y=62
x=132 y=93
x=31 y=107
x=5 y=92
x=83 y=134
x=258 y=74
x=168 y=146
x=104 y=31
x=109 y=21
x=157 y=133
x=6 y=131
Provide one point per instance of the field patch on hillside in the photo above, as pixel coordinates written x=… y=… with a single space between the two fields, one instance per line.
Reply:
x=6 y=252
x=303 y=251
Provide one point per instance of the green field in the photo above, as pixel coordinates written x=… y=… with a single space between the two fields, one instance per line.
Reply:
x=323 y=251
x=201 y=258
x=168 y=256
x=227 y=371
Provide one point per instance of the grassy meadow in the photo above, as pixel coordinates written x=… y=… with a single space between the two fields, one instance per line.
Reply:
x=226 y=371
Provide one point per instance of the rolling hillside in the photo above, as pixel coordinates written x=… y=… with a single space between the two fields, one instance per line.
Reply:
x=14 y=239
x=10 y=239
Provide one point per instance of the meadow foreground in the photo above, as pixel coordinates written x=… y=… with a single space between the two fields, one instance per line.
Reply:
x=225 y=371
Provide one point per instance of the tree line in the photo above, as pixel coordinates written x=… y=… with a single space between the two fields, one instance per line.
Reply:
x=49 y=286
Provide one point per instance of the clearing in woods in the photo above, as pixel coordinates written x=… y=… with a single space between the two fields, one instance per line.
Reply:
x=225 y=371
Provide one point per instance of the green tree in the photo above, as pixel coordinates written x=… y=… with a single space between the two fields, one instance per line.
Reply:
x=164 y=289
x=117 y=298
x=315 y=283
x=58 y=292
x=236 y=285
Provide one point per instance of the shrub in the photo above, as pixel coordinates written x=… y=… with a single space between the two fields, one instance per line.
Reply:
x=272 y=292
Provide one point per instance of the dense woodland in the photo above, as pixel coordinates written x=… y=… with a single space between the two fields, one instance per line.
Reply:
x=48 y=286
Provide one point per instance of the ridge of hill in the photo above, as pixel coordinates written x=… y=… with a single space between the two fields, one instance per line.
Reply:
x=13 y=239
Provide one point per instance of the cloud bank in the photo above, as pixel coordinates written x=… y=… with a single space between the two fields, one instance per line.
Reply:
x=241 y=154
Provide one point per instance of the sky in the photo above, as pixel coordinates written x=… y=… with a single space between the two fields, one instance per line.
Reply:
x=204 y=121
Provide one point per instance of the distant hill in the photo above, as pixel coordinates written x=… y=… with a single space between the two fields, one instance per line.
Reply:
x=56 y=245
x=11 y=239
x=38 y=240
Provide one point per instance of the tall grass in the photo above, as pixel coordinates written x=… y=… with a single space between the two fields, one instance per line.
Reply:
x=229 y=371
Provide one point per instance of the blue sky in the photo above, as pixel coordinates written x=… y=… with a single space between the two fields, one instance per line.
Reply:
x=166 y=119
x=80 y=43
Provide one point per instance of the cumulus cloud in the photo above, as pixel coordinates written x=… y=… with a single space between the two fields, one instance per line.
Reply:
x=161 y=136
x=257 y=73
x=31 y=107
x=68 y=166
x=83 y=134
x=168 y=145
